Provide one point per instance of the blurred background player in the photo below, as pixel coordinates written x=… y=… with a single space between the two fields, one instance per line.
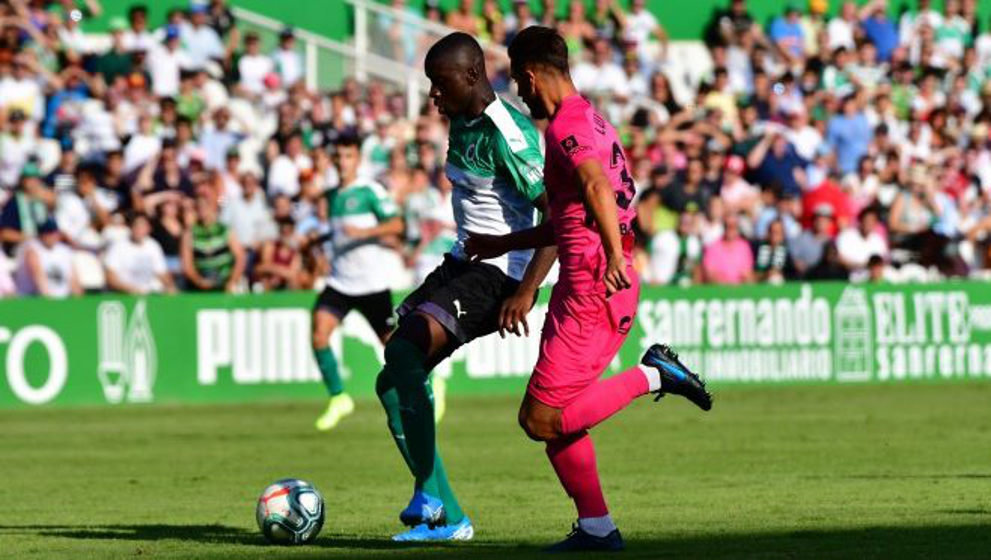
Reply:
x=495 y=166
x=363 y=217
x=593 y=305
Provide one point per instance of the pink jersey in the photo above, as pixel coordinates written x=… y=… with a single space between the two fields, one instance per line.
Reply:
x=578 y=133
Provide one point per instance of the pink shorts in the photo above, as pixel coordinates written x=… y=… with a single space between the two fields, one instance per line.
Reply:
x=581 y=335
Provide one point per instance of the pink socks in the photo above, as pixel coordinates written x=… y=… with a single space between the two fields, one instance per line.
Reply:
x=573 y=458
x=605 y=398
x=573 y=455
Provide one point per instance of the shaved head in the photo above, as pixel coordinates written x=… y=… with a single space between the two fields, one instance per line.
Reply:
x=458 y=50
x=455 y=66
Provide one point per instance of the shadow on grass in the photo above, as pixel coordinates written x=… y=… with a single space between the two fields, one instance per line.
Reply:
x=151 y=532
x=971 y=540
x=218 y=534
x=961 y=476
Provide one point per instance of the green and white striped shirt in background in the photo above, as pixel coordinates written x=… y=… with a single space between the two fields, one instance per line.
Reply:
x=357 y=266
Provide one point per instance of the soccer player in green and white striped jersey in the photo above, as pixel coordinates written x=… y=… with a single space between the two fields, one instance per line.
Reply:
x=362 y=215
x=495 y=165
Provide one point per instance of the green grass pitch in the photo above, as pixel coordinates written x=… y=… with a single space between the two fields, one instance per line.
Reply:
x=810 y=472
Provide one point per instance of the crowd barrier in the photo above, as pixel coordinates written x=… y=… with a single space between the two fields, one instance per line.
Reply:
x=190 y=348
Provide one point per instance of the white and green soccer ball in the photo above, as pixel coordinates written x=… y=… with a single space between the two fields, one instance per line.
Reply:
x=290 y=511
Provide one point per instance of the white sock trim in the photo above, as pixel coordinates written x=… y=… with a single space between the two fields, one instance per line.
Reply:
x=653 y=377
x=597 y=526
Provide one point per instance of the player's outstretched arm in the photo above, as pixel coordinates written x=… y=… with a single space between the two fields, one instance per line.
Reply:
x=543 y=259
x=600 y=199
x=512 y=315
x=483 y=246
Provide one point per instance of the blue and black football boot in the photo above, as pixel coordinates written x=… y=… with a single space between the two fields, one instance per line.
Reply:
x=676 y=379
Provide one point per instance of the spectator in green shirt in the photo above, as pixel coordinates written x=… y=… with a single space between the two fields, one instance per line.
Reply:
x=117 y=61
x=189 y=102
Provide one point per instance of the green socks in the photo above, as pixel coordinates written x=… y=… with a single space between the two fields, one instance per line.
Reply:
x=328 y=369
x=415 y=430
x=451 y=506
x=416 y=413
x=390 y=402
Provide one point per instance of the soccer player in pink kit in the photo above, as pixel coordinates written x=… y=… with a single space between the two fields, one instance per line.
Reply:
x=595 y=300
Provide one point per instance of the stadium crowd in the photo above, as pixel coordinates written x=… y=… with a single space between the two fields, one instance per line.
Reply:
x=182 y=155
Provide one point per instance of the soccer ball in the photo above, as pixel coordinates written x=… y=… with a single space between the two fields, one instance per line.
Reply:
x=290 y=511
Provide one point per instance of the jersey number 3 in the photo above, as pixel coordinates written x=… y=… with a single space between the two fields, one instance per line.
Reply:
x=624 y=198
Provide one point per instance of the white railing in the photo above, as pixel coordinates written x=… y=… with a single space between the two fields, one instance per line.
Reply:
x=390 y=44
x=364 y=63
x=402 y=36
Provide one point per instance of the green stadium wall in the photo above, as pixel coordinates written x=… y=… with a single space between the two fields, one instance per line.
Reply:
x=684 y=20
x=191 y=348
x=333 y=19
x=330 y=18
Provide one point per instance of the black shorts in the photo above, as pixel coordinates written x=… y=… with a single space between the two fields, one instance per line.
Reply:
x=463 y=296
x=376 y=308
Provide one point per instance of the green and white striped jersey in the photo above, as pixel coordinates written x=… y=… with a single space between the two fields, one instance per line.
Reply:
x=356 y=264
x=496 y=167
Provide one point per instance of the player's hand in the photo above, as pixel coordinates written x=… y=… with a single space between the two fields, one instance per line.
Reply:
x=482 y=246
x=616 y=278
x=512 y=316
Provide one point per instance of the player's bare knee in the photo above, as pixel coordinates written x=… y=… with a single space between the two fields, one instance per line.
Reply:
x=322 y=326
x=542 y=430
x=530 y=428
x=538 y=426
x=523 y=419
x=321 y=334
x=320 y=338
